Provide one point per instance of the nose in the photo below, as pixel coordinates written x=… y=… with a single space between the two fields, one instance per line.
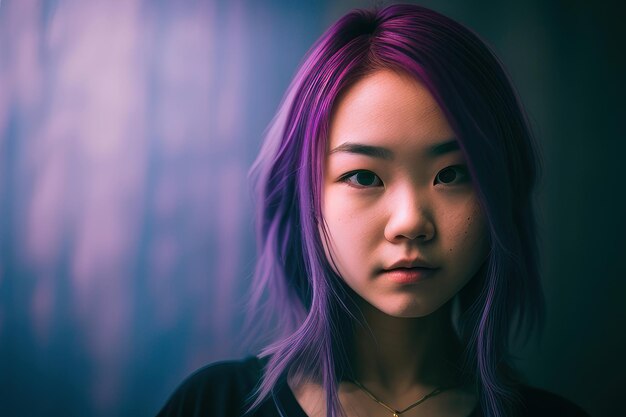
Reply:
x=409 y=218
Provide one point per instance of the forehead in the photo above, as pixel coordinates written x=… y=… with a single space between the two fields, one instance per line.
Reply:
x=388 y=108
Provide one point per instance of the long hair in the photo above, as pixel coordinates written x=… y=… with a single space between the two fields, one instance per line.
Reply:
x=297 y=300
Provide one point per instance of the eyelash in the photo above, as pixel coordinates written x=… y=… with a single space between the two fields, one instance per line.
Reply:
x=346 y=178
x=461 y=169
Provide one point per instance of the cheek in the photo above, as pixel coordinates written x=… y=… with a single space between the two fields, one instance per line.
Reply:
x=337 y=220
x=468 y=232
x=348 y=217
x=353 y=230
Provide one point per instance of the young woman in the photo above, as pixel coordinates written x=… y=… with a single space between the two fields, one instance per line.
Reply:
x=397 y=249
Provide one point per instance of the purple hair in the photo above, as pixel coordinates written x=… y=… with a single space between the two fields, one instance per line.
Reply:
x=298 y=303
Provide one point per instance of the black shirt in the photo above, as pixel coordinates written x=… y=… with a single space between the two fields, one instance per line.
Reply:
x=221 y=390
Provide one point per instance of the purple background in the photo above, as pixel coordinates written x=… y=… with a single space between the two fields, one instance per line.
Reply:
x=126 y=131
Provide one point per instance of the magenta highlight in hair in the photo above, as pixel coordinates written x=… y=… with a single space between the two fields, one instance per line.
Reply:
x=299 y=305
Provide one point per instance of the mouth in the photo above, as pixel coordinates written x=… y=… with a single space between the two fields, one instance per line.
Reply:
x=412 y=275
x=408 y=263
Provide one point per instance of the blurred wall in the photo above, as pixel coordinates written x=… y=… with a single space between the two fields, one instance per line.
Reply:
x=126 y=244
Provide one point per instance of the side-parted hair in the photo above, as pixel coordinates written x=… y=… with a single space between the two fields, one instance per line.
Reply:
x=297 y=301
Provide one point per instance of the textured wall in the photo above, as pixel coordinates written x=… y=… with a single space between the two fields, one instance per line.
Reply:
x=127 y=128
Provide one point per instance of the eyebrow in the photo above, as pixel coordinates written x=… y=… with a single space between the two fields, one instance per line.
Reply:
x=444 y=148
x=367 y=150
x=380 y=152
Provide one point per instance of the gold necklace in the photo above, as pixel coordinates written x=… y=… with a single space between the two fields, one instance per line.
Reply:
x=396 y=413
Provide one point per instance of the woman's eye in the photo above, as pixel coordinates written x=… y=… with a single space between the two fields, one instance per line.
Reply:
x=451 y=175
x=363 y=179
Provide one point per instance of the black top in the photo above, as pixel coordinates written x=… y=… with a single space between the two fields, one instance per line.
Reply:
x=221 y=389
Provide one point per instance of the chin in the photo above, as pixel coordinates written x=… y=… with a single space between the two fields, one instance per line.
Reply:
x=407 y=311
x=407 y=306
x=411 y=314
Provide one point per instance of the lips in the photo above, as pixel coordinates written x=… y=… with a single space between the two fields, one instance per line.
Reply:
x=409 y=263
x=408 y=275
x=409 y=270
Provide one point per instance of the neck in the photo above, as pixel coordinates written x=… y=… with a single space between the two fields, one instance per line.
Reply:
x=396 y=355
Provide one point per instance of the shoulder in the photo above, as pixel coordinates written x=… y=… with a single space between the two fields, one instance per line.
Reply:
x=226 y=373
x=218 y=389
x=539 y=402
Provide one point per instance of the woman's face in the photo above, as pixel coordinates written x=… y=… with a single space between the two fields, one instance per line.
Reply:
x=397 y=196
